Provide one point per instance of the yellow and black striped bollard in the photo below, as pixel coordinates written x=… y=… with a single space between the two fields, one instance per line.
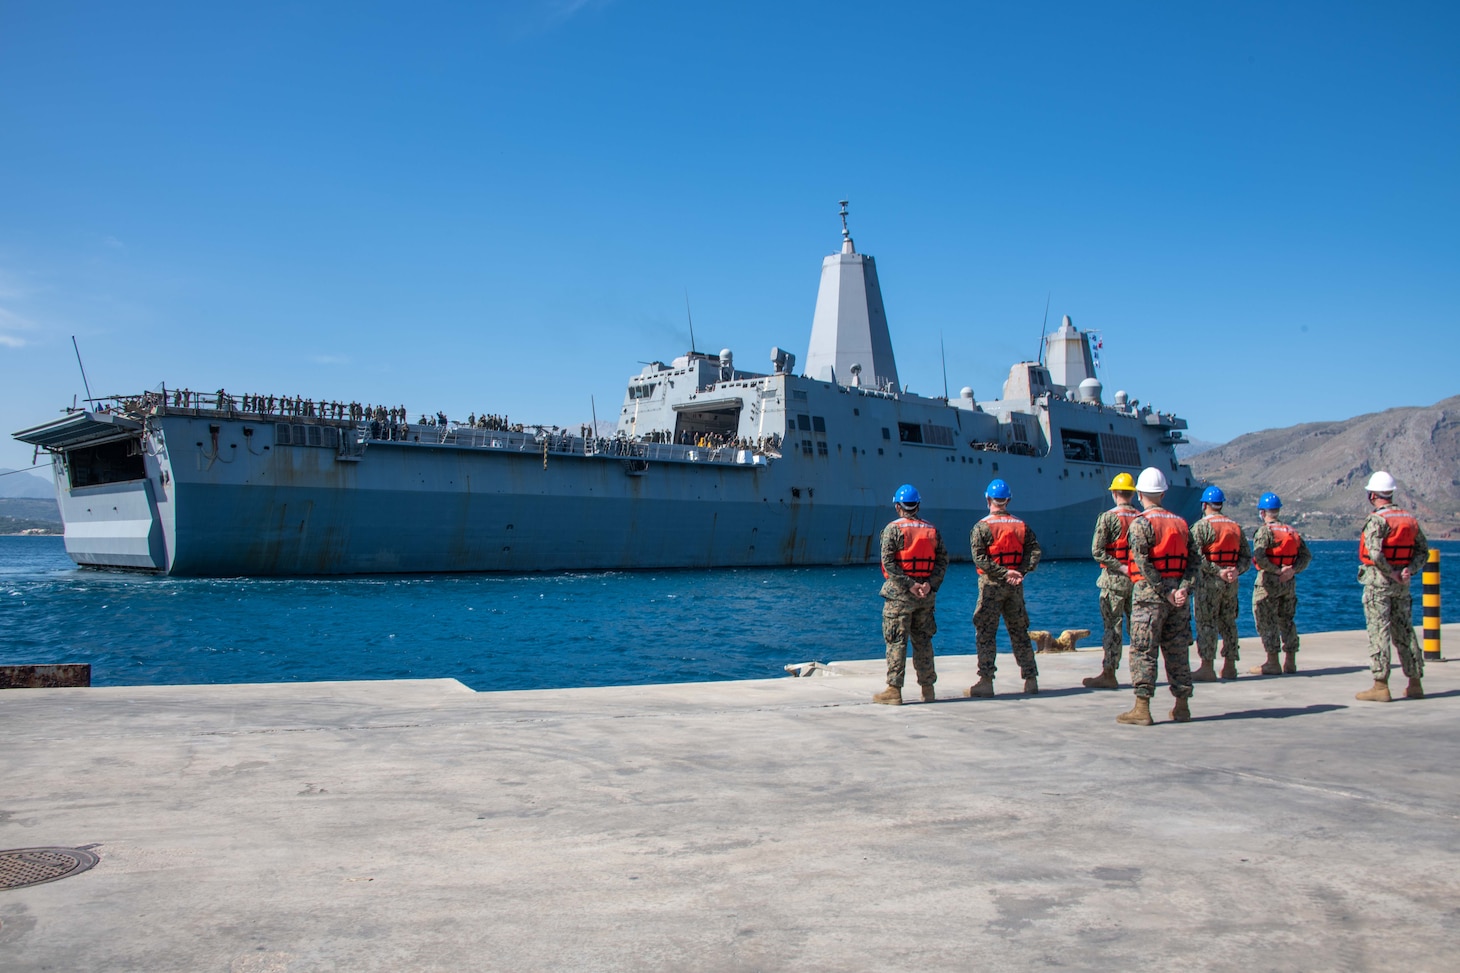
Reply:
x=1431 y=603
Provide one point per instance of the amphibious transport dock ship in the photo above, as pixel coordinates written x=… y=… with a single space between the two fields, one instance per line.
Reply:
x=710 y=466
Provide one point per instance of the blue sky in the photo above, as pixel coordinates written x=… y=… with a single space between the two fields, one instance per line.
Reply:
x=501 y=206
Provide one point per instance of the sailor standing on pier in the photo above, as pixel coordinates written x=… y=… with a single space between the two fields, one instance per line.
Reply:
x=914 y=561
x=1392 y=548
x=1224 y=556
x=1111 y=548
x=1164 y=561
x=1281 y=555
x=1004 y=550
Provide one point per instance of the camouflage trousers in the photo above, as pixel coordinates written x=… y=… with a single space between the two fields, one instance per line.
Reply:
x=1005 y=601
x=1216 y=614
x=1273 y=610
x=1160 y=627
x=901 y=622
x=1114 y=609
x=1387 y=616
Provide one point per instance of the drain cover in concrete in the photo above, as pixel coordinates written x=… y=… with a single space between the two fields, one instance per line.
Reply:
x=20 y=867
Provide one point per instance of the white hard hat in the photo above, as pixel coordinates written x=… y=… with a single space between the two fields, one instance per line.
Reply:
x=1381 y=482
x=1151 y=480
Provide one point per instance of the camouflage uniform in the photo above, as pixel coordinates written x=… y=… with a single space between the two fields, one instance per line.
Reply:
x=1115 y=586
x=905 y=616
x=997 y=598
x=1275 y=601
x=1388 y=605
x=1156 y=625
x=1216 y=600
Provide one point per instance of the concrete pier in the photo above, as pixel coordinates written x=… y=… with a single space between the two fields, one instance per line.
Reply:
x=782 y=824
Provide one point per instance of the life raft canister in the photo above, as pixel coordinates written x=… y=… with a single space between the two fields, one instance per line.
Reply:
x=1168 y=542
x=1284 y=549
x=1399 y=543
x=1120 y=547
x=919 y=548
x=1223 y=549
x=1007 y=547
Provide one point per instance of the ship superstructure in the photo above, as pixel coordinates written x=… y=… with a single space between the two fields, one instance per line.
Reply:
x=710 y=466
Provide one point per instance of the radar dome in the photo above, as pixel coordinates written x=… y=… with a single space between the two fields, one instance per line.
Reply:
x=1090 y=390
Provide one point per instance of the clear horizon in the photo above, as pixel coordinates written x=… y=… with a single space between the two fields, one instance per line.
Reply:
x=503 y=209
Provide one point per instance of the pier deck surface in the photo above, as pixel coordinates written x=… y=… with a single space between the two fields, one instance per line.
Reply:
x=781 y=824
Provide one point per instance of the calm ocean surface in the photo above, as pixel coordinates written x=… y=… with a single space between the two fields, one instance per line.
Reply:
x=537 y=631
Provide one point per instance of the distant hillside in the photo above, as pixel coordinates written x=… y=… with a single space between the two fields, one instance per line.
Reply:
x=35 y=486
x=17 y=515
x=1319 y=469
x=1191 y=447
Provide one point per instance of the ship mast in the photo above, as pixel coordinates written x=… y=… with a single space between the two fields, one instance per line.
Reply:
x=850 y=343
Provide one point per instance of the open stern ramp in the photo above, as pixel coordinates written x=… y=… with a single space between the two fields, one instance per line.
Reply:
x=108 y=502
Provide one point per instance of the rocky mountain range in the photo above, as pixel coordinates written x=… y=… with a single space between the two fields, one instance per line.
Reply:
x=1320 y=468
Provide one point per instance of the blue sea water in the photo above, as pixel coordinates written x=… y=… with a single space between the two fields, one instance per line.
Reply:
x=535 y=631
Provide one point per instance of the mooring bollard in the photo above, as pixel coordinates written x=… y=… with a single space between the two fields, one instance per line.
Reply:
x=1430 y=599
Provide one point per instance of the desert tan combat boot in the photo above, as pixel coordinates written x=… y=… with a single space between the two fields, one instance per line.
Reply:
x=1181 y=712
x=984 y=687
x=1414 y=690
x=892 y=696
x=929 y=695
x=1106 y=680
x=1290 y=662
x=1379 y=694
x=1229 y=668
x=1204 y=673
x=1137 y=715
x=1031 y=685
x=1272 y=667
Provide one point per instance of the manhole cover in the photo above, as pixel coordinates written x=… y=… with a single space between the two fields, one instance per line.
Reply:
x=20 y=867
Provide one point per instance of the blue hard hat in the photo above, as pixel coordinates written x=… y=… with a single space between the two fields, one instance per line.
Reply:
x=907 y=495
x=1269 y=501
x=998 y=490
x=1213 y=494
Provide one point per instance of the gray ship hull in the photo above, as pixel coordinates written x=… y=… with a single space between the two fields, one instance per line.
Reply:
x=408 y=507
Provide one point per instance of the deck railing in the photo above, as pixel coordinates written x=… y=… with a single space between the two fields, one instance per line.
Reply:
x=356 y=434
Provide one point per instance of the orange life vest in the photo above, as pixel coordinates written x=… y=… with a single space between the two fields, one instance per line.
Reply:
x=1399 y=542
x=1120 y=547
x=1007 y=547
x=919 y=548
x=1223 y=549
x=1284 y=549
x=1168 y=542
